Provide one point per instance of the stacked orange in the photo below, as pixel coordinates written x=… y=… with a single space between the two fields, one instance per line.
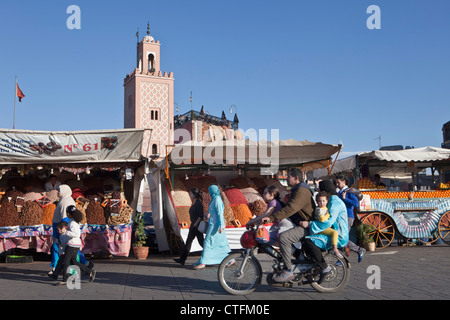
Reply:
x=388 y=195
x=408 y=194
x=365 y=183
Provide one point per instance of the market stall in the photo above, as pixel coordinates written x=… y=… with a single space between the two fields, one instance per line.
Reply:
x=242 y=170
x=409 y=202
x=104 y=169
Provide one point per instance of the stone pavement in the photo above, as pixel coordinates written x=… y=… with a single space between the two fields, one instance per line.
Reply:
x=406 y=273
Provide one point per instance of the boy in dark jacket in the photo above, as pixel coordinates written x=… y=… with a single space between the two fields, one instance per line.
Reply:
x=351 y=201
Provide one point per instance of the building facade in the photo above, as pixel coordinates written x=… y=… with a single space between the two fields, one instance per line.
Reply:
x=149 y=99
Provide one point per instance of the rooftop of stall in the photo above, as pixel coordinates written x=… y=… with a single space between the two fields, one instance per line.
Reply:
x=248 y=155
x=394 y=164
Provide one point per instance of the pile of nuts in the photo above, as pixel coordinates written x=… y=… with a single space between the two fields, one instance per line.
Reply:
x=31 y=214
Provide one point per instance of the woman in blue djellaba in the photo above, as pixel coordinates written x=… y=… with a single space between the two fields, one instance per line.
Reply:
x=315 y=242
x=215 y=245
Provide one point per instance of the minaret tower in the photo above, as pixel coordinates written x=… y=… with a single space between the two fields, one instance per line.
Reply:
x=148 y=98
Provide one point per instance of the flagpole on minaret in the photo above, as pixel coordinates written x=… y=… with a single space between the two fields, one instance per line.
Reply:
x=15 y=98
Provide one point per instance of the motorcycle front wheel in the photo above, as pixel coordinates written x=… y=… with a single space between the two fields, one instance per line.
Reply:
x=240 y=273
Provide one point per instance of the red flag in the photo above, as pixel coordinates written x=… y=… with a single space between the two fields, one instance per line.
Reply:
x=20 y=94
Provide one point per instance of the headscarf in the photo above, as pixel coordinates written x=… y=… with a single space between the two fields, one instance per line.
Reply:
x=216 y=206
x=214 y=191
x=65 y=201
x=327 y=186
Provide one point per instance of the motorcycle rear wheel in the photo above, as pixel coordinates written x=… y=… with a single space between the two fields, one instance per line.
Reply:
x=337 y=279
x=240 y=283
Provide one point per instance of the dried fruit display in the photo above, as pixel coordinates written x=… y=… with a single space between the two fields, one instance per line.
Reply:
x=183 y=215
x=124 y=216
x=97 y=197
x=251 y=195
x=82 y=209
x=95 y=213
x=31 y=214
x=13 y=194
x=228 y=216
x=206 y=199
x=235 y=196
x=32 y=196
x=181 y=198
x=224 y=197
x=257 y=207
x=242 y=213
x=47 y=215
x=52 y=195
x=8 y=214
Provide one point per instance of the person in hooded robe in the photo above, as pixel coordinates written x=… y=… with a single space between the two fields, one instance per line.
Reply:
x=215 y=244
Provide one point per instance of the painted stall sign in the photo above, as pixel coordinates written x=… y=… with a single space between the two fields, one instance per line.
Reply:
x=77 y=146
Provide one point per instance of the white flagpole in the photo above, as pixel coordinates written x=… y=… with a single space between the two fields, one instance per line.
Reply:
x=15 y=98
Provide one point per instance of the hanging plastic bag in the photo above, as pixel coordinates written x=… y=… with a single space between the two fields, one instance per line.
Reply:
x=262 y=235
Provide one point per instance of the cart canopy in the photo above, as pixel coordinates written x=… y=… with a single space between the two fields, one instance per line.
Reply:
x=424 y=154
x=398 y=161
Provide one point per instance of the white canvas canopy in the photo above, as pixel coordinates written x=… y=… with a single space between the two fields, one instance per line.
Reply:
x=233 y=152
x=424 y=154
x=281 y=153
x=394 y=161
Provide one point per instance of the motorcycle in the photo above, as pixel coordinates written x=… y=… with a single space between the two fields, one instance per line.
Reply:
x=240 y=273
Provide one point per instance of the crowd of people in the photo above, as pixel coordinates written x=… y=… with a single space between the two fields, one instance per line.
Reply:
x=320 y=220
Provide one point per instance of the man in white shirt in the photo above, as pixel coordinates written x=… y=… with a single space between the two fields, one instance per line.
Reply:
x=52 y=184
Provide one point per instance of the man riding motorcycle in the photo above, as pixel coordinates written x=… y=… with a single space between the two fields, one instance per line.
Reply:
x=299 y=208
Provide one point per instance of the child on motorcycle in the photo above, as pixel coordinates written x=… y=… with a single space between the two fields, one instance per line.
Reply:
x=321 y=214
x=271 y=196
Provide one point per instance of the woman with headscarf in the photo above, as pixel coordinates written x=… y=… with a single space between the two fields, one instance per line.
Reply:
x=215 y=244
x=65 y=193
x=317 y=242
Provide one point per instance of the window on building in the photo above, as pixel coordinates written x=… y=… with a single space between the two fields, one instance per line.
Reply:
x=154 y=149
x=151 y=62
x=154 y=114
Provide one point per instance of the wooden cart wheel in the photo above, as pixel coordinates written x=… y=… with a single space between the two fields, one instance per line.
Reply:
x=434 y=238
x=444 y=227
x=384 y=228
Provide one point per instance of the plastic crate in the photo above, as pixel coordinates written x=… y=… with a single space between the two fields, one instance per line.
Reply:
x=19 y=259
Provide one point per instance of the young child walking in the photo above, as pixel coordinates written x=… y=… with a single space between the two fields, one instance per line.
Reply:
x=321 y=214
x=73 y=234
x=61 y=241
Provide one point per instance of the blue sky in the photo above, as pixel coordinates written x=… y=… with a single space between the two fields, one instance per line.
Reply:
x=309 y=68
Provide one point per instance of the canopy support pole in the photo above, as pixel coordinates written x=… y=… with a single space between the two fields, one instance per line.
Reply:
x=334 y=162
